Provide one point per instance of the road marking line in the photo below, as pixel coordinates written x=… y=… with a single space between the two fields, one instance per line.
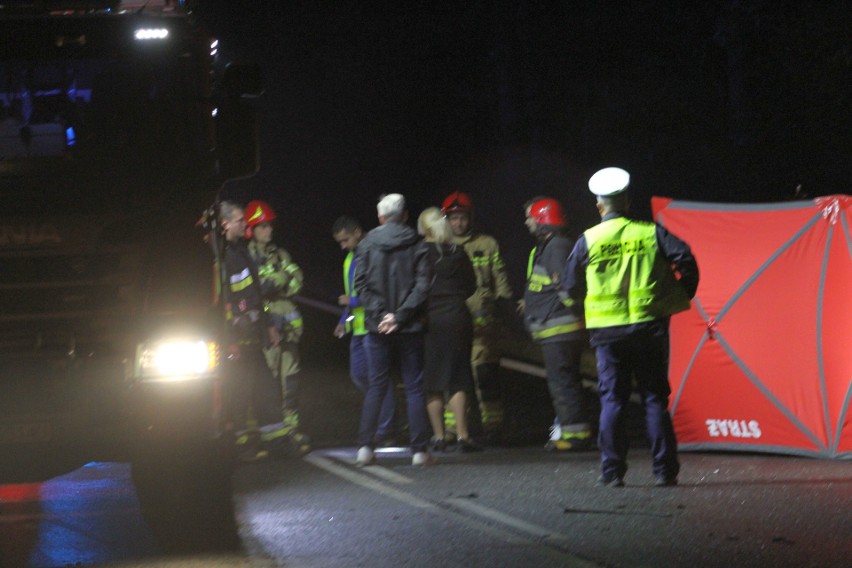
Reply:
x=388 y=475
x=377 y=470
x=368 y=482
x=502 y=518
x=540 y=535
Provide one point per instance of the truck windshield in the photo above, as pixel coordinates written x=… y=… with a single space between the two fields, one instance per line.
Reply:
x=103 y=110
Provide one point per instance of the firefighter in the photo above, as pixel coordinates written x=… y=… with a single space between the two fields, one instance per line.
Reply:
x=249 y=331
x=559 y=331
x=492 y=287
x=281 y=279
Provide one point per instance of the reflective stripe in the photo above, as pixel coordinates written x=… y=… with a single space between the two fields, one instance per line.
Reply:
x=530 y=261
x=537 y=277
x=554 y=330
x=241 y=281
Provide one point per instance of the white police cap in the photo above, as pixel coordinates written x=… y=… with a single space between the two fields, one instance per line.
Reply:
x=609 y=181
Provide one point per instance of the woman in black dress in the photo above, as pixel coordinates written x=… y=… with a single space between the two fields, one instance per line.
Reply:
x=447 y=373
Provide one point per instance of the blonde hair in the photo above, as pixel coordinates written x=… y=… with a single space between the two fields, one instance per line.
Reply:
x=434 y=227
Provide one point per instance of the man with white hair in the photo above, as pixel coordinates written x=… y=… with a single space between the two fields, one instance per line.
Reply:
x=392 y=279
x=630 y=276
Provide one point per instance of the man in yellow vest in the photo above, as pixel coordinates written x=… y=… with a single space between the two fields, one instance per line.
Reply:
x=630 y=276
x=348 y=233
x=280 y=279
x=492 y=286
x=558 y=330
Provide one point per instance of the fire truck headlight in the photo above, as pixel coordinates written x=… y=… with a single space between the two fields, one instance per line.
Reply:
x=176 y=360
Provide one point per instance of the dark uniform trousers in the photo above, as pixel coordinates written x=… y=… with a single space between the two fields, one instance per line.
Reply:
x=647 y=355
x=254 y=388
x=562 y=364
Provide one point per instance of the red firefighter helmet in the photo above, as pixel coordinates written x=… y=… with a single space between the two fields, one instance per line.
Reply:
x=457 y=202
x=549 y=212
x=258 y=212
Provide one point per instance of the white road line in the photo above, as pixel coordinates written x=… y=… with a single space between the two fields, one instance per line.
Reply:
x=508 y=520
x=530 y=532
x=365 y=481
x=388 y=475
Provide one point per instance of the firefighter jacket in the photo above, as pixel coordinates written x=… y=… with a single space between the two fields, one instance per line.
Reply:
x=492 y=283
x=624 y=269
x=243 y=298
x=281 y=279
x=353 y=316
x=393 y=275
x=547 y=311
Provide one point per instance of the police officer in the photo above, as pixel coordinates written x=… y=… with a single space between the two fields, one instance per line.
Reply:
x=625 y=273
x=281 y=279
x=554 y=326
x=248 y=331
x=492 y=287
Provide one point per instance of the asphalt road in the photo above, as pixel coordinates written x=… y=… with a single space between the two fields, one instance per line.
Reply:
x=508 y=506
x=503 y=507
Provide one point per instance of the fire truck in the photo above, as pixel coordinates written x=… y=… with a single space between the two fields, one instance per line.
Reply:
x=118 y=128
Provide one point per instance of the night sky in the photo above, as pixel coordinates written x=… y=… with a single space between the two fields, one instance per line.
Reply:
x=729 y=101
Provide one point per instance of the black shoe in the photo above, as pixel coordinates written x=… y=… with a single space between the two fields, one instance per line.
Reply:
x=609 y=482
x=664 y=481
x=438 y=445
x=468 y=446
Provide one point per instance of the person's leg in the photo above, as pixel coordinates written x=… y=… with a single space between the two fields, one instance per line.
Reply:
x=485 y=360
x=288 y=370
x=435 y=408
x=387 y=429
x=358 y=371
x=378 y=359
x=651 y=365
x=458 y=405
x=411 y=361
x=562 y=364
x=614 y=388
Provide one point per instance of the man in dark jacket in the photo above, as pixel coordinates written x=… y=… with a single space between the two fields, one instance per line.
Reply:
x=392 y=279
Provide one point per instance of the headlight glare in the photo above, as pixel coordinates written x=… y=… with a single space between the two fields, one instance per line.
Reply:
x=177 y=360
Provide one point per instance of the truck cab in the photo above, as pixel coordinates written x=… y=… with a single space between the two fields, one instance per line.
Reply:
x=118 y=126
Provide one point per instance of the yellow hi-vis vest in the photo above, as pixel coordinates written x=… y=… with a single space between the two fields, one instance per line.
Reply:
x=356 y=324
x=628 y=280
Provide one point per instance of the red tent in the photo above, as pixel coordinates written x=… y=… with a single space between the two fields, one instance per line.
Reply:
x=763 y=359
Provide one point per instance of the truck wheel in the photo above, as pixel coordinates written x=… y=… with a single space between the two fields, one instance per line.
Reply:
x=186 y=498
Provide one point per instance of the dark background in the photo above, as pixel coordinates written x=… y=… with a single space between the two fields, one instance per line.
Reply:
x=726 y=101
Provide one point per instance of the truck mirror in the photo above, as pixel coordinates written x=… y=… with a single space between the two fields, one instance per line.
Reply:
x=236 y=124
x=237 y=147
